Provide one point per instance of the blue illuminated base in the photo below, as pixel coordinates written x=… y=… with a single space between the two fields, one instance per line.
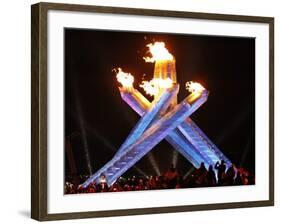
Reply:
x=175 y=126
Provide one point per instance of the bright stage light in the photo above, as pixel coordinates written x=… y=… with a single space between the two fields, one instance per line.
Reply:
x=154 y=164
x=101 y=138
x=245 y=152
x=175 y=158
x=84 y=137
x=188 y=173
x=110 y=146
x=144 y=174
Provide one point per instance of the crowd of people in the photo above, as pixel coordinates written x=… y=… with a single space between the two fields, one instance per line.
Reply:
x=217 y=175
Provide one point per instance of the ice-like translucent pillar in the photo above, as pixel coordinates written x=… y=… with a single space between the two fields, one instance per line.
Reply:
x=151 y=137
x=195 y=137
x=159 y=105
x=157 y=132
x=134 y=98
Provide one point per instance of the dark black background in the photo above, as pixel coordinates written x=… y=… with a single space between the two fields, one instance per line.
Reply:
x=224 y=65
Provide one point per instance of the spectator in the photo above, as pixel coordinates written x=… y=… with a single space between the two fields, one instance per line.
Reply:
x=230 y=174
x=221 y=167
x=200 y=175
x=238 y=179
x=171 y=177
x=211 y=177
x=102 y=186
x=170 y=180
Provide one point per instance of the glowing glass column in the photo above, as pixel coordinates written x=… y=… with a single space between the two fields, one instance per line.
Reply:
x=134 y=98
x=151 y=137
x=160 y=104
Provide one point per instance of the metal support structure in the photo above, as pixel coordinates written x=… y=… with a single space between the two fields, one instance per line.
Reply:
x=175 y=138
x=197 y=143
x=151 y=137
x=160 y=104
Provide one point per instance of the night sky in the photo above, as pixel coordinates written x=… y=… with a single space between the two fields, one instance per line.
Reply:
x=98 y=120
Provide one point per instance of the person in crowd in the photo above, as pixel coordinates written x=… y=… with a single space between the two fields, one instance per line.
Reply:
x=171 y=177
x=200 y=175
x=169 y=180
x=102 y=186
x=221 y=168
x=238 y=179
x=92 y=188
x=180 y=183
x=230 y=175
x=211 y=177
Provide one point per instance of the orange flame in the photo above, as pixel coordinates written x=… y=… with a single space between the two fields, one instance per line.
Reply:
x=154 y=86
x=194 y=87
x=126 y=79
x=158 y=52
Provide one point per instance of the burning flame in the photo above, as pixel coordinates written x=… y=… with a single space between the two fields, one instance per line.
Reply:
x=194 y=87
x=154 y=86
x=126 y=79
x=158 y=52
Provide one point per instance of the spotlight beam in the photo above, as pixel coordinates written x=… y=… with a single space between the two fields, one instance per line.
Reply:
x=101 y=138
x=84 y=137
x=236 y=122
x=153 y=163
x=188 y=172
x=245 y=151
x=110 y=146
x=175 y=158
x=140 y=171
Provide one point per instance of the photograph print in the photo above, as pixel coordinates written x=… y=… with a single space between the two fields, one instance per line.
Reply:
x=157 y=111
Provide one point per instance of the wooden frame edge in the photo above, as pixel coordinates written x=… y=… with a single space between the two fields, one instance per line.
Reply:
x=38 y=112
x=271 y=111
x=149 y=211
x=154 y=12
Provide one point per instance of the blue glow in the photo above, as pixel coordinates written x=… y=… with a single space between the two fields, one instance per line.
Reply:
x=209 y=152
x=175 y=126
x=159 y=105
x=152 y=136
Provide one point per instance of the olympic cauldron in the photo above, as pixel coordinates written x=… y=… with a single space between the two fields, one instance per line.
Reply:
x=163 y=118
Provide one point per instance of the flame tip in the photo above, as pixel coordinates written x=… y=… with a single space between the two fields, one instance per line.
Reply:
x=158 y=52
x=154 y=86
x=194 y=87
x=126 y=79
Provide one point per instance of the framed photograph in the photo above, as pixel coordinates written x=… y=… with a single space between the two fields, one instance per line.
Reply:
x=138 y=111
